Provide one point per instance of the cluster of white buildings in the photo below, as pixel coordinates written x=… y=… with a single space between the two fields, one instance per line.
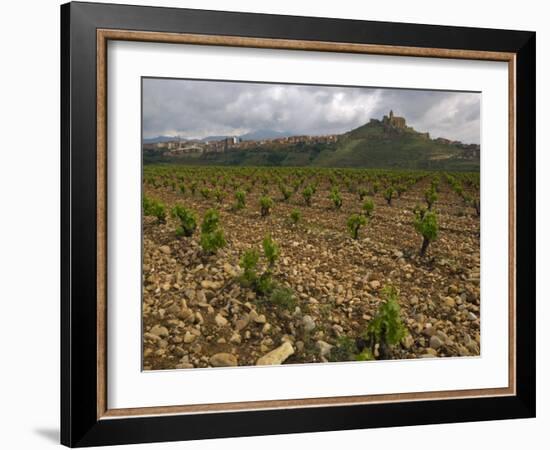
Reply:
x=182 y=146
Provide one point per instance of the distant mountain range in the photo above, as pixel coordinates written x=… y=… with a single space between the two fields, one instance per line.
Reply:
x=250 y=136
x=158 y=139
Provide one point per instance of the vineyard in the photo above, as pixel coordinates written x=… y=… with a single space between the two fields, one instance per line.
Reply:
x=252 y=266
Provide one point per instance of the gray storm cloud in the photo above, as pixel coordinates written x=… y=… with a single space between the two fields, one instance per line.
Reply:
x=196 y=109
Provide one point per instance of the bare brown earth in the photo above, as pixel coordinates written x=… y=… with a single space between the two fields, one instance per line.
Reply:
x=194 y=307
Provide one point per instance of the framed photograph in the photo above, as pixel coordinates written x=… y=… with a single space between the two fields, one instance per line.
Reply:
x=276 y=224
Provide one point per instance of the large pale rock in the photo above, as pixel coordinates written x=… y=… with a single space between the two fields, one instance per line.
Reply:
x=159 y=330
x=220 y=320
x=223 y=360
x=277 y=356
x=258 y=318
x=207 y=284
x=189 y=337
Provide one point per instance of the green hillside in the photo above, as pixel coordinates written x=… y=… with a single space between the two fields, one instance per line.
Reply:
x=373 y=145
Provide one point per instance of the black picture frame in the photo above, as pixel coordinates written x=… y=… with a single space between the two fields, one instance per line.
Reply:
x=80 y=425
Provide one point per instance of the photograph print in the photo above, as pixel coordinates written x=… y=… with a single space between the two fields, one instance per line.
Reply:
x=301 y=224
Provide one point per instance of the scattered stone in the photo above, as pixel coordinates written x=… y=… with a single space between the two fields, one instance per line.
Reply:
x=207 y=284
x=407 y=342
x=374 y=284
x=258 y=318
x=151 y=337
x=165 y=249
x=173 y=309
x=198 y=318
x=235 y=338
x=188 y=338
x=337 y=329
x=190 y=294
x=159 y=330
x=220 y=320
x=453 y=289
x=473 y=347
x=287 y=338
x=428 y=330
x=186 y=314
x=309 y=323
x=200 y=296
x=442 y=336
x=230 y=270
x=435 y=342
x=324 y=348
x=450 y=302
x=184 y=366
x=242 y=323
x=223 y=360
x=194 y=306
x=277 y=356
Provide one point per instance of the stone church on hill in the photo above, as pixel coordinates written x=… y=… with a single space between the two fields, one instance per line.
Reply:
x=394 y=121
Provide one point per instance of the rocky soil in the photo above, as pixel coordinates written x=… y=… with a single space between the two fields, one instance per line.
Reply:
x=196 y=313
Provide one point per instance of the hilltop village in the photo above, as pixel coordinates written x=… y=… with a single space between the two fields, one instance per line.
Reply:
x=183 y=146
x=391 y=124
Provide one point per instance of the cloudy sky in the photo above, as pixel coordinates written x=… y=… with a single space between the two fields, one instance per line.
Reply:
x=196 y=109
